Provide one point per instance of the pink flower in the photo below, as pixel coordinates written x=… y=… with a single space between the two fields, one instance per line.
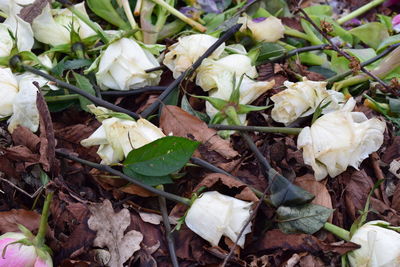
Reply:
x=21 y=255
x=396 y=23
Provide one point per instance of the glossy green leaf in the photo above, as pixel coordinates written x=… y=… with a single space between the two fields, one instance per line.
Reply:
x=161 y=157
x=105 y=10
x=307 y=218
x=319 y=10
x=388 y=41
x=283 y=192
x=371 y=34
x=84 y=84
x=268 y=51
x=394 y=105
x=149 y=180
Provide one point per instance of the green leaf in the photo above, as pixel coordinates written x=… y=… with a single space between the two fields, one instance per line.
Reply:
x=84 y=84
x=371 y=34
x=327 y=73
x=388 y=41
x=161 y=157
x=149 y=180
x=307 y=218
x=286 y=193
x=105 y=10
x=394 y=105
x=319 y=10
x=268 y=51
x=185 y=105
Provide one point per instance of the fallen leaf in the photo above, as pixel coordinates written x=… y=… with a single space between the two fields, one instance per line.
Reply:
x=24 y=137
x=9 y=220
x=110 y=227
x=318 y=189
x=30 y=12
x=180 y=123
x=277 y=240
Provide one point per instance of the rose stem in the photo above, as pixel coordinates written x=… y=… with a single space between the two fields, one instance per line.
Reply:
x=360 y=11
x=283 y=130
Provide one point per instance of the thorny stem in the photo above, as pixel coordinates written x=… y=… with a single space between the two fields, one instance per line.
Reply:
x=107 y=168
x=337 y=49
x=284 y=130
x=190 y=70
x=363 y=64
x=39 y=239
x=134 y=91
x=360 y=11
x=168 y=232
x=338 y=231
x=79 y=91
x=180 y=15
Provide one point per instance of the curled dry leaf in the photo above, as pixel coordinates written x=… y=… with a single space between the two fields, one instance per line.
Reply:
x=9 y=220
x=180 y=123
x=110 y=227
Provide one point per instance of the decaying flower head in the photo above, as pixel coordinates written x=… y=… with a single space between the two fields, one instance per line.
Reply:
x=214 y=215
x=187 y=50
x=340 y=139
x=117 y=137
x=301 y=99
x=268 y=29
x=380 y=246
x=122 y=66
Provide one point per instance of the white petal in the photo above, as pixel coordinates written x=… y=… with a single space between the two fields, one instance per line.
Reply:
x=269 y=30
x=8 y=91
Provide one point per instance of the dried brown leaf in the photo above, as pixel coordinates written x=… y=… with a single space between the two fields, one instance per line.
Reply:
x=180 y=123
x=24 y=137
x=9 y=220
x=30 y=12
x=110 y=227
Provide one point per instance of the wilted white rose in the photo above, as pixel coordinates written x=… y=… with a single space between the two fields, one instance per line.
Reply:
x=122 y=66
x=8 y=91
x=187 y=50
x=6 y=41
x=339 y=139
x=215 y=73
x=25 y=112
x=53 y=26
x=268 y=29
x=117 y=137
x=300 y=99
x=213 y=215
x=249 y=89
x=20 y=29
x=380 y=247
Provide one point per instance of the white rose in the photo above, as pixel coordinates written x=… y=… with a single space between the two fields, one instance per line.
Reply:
x=117 y=137
x=25 y=112
x=187 y=50
x=213 y=215
x=268 y=29
x=301 y=99
x=8 y=91
x=20 y=29
x=249 y=89
x=122 y=66
x=53 y=26
x=380 y=247
x=210 y=73
x=6 y=41
x=339 y=139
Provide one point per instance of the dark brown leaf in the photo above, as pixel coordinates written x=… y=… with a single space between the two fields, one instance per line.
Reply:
x=24 y=137
x=9 y=220
x=30 y=12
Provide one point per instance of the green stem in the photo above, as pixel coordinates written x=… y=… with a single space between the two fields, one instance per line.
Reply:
x=338 y=231
x=90 y=23
x=59 y=98
x=4 y=15
x=180 y=15
x=131 y=19
x=170 y=29
x=39 y=239
x=296 y=33
x=284 y=130
x=360 y=11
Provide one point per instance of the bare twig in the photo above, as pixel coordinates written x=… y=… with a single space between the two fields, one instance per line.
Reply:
x=161 y=67
x=190 y=70
x=81 y=92
x=168 y=233
x=340 y=51
x=134 y=91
